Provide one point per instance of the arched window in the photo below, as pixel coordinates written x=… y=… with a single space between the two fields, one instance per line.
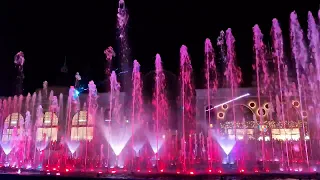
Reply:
x=10 y=123
x=82 y=126
x=48 y=128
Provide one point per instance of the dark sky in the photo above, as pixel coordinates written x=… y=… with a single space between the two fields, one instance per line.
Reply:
x=47 y=31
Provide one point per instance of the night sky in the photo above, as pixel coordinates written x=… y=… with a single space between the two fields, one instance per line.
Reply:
x=47 y=31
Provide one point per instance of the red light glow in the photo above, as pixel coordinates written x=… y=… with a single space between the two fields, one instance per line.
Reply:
x=191 y=172
x=242 y=171
x=161 y=170
x=113 y=171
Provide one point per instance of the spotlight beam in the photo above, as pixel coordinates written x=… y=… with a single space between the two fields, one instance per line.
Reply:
x=234 y=99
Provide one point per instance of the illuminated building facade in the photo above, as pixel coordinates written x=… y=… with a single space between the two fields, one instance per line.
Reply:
x=237 y=119
x=247 y=117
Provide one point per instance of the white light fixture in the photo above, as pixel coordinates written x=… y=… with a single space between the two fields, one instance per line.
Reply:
x=234 y=99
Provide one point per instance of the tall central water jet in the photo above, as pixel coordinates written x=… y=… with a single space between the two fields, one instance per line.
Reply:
x=109 y=52
x=124 y=51
x=277 y=44
x=137 y=101
x=210 y=73
x=212 y=83
x=314 y=45
x=232 y=72
x=19 y=62
x=300 y=55
x=116 y=133
x=160 y=105
x=187 y=98
x=115 y=105
x=314 y=77
x=261 y=71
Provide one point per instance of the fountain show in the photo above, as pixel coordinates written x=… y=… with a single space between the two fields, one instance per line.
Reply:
x=175 y=129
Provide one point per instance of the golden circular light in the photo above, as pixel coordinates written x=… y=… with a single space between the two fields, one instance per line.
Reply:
x=263 y=111
x=266 y=106
x=225 y=106
x=252 y=104
x=220 y=115
x=295 y=103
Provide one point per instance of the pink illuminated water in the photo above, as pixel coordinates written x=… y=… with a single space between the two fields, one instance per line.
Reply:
x=116 y=132
x=187 y=99
x=212 y=81
x=137 y=108
x=124 y=53
x=314 y=67
x=114 y=99
x=314 y=42
x=277 y=54
x=232 y=72
x=283 y=136
x=160 y=106
x=261 y=70
x=300 y=55
x=110 y=54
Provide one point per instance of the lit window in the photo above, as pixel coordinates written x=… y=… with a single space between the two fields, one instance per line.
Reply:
x=241 y=133
x=50 y=118
x=47 y=134
x=10 y=124
x=80 y=118
x=286 y=134
x=48 y=129
x=81 y=133
x=82 y=126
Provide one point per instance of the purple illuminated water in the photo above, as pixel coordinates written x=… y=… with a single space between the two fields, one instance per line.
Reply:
x=137 y=109
x=124 y=53
x=277 y=54
x=210 y=73
x=261 y=70
x=314 y=67
x=212 y=84
x=300 y=55
x=115 y=105
x=274 y=128
x=187 y=99
x=110 y=54
x=160 y=108
x=232 y=72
